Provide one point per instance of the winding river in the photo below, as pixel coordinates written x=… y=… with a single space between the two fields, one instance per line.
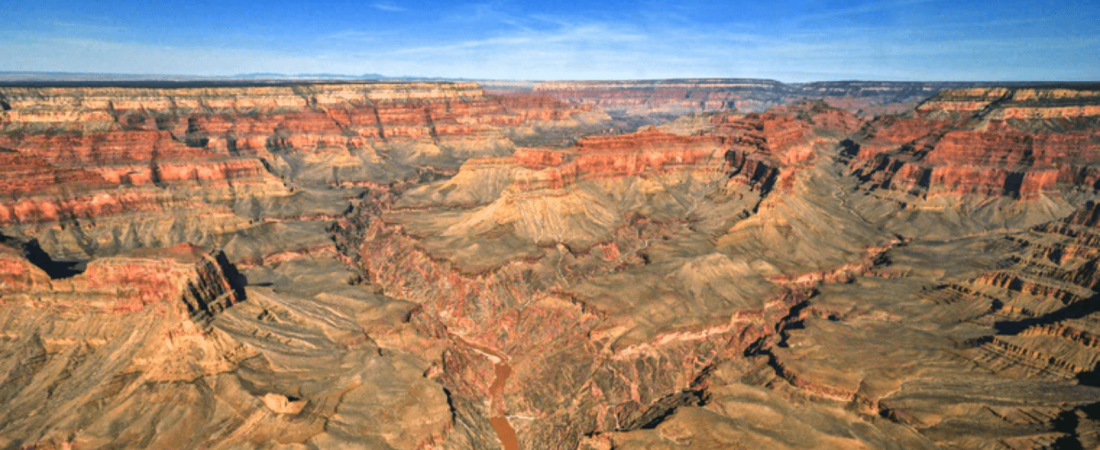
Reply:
x=504 y=430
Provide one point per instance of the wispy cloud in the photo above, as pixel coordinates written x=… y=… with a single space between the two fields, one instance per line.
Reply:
x=861 y=9
x=84 y=27
x=587 y=34
x=352 y=35
x=490 y=13
x=498 y=40
x=388 y=7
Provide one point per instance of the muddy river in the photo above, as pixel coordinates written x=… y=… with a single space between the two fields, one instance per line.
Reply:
x=504 y=430
x=500 y=423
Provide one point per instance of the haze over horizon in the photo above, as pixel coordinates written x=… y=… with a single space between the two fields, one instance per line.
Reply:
x=793 y=41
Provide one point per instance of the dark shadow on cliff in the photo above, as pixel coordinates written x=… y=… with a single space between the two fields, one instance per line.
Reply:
x=237 y=280
x=1067 y=422
x=56 y=269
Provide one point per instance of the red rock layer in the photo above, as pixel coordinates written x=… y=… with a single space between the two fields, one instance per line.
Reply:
x=1018 y=142
x=179 y=281
x=84 y=152
x=55 y=178
x=760 y=145
x=614 y=156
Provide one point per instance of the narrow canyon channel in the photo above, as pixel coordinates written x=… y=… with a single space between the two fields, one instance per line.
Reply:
x=503 y=370
x=505 y=432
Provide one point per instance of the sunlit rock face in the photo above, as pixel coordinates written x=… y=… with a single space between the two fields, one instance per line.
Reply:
x=422 y=265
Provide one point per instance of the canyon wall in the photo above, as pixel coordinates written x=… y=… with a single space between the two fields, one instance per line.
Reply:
x=94 y=170
x=424 y=265
x=998 y=141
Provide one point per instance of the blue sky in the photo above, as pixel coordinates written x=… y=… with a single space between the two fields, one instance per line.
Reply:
x=788 y=40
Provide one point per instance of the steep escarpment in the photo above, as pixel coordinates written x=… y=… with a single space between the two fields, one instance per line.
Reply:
x=321 y=132
x=667 y=96
x=75 y=347
x=958 y=166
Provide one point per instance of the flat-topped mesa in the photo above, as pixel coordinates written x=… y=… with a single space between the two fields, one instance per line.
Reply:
x=233 y=119
x=239 y=99
x=35 y=109
x=153 y=307
x=1020 y=142
x=1020 y=103
x=182 y=281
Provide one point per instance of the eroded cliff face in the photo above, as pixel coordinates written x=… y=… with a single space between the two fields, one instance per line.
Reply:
x=1016 y=142
x=99 y=170
x=413 y=266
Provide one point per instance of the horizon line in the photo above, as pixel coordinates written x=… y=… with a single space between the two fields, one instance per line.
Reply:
x=10 y=77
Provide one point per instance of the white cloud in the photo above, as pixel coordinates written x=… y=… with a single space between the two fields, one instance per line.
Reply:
x=388 y=7
x=861 y=9
x=552 y=49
